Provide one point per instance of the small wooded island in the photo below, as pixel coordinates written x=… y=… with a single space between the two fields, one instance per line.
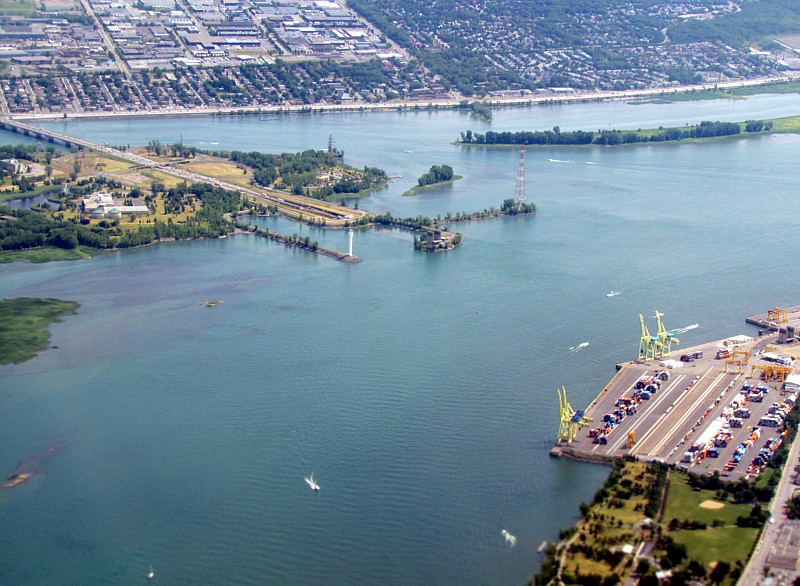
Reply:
x=438 y=176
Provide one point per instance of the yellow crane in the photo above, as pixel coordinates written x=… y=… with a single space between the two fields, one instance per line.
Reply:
x=771 y=372
x=778 y=315
x=570 y=420
x=666 y=339
x=649 y=346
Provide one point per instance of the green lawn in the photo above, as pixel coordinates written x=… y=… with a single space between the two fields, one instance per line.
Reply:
x=684 y=503
x=44 y=254
x=726 y=543
x=24 y=326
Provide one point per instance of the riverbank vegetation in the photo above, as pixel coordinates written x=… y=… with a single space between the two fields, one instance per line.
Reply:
x=24 y=326
x=555 y=137
x=477 y=109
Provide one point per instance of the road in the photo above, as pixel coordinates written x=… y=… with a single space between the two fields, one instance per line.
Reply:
x=753 y=574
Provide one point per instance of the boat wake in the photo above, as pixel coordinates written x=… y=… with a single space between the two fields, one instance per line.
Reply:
x=558 y=161
x=684 y=330
x=311 y=482
x=510 y=539
x=613 y=293
x=579 y=347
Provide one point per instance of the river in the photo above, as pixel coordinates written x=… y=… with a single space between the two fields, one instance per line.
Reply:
x=419 y=389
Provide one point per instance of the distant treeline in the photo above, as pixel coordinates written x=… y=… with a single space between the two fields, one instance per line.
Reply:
x=31 y=229
x=705 y=129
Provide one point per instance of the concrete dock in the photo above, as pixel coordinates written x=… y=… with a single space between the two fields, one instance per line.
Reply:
x=689 y=407
x=773 y=320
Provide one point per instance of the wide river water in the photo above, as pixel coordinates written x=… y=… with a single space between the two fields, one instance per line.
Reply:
x=419 y=389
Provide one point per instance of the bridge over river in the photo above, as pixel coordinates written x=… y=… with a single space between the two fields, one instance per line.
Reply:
x=292 y=205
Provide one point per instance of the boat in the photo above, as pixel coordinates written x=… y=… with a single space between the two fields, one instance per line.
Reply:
x=613 y=293
x=150 y=574
x=312 y=483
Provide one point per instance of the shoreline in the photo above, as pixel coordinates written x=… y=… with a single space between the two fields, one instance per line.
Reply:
x=412 y=105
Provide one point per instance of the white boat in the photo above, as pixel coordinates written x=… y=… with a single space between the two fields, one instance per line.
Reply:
x=150 y=574
x=613 y=293
x=510 y=539
x=311 y=482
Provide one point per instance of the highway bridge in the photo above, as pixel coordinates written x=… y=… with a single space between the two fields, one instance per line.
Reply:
x=294 y=205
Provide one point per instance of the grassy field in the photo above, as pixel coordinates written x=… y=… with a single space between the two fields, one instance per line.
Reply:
x=715 y=544
x=218 y=170
x=16 y=8
x=91 y=163
x=24 y=326
x=434 y=186
x=773 y=88
x=727 y=542
x=44 y=254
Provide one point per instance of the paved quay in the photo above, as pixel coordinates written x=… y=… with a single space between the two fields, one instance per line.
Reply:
x=689 y=408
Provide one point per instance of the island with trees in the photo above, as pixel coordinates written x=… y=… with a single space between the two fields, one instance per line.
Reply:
x=704 y=131
x=437 y=176
x=24 y=325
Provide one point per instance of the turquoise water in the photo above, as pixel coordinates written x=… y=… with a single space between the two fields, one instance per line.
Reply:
x=420 y=389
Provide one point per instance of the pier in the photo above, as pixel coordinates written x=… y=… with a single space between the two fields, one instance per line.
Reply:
x=713 y=410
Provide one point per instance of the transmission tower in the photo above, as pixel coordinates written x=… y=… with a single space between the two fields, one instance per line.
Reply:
x=519 y=193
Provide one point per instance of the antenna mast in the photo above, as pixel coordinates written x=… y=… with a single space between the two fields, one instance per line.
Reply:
x=519 y=193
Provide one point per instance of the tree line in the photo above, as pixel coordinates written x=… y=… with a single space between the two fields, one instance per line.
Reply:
x=30 y=229
x=705 y=129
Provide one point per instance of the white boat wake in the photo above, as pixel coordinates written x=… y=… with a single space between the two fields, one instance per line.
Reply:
x=510 y=539
x=613 y=293
x=311 y=482
x=579 y=347
x=684 y=330
x=558 y=161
